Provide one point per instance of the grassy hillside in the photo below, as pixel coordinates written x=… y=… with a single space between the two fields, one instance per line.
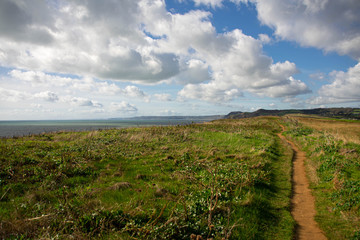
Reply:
x=228 y=179
x=333 y=167
x=340 y=113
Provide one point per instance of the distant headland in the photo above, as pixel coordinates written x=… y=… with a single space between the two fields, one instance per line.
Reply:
x=343 y=113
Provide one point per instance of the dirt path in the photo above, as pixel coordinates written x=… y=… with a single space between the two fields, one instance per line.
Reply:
x=303 y=202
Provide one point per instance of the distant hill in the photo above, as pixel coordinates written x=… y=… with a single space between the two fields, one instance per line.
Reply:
x=344 y=113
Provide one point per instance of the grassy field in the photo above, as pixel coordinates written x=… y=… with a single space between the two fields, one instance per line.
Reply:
x=342 y=130
x=228 y=179
x=333 y=168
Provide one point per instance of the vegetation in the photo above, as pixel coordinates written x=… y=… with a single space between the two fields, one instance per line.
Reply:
x=340 y=113
x=228 y=179
x=333 y=167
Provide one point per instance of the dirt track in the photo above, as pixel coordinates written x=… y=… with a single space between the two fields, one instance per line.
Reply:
x=303 y=202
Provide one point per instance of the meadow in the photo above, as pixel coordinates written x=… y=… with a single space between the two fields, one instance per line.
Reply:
x=227 y=179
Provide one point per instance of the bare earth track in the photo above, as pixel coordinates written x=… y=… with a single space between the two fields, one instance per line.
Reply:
x=303 y=202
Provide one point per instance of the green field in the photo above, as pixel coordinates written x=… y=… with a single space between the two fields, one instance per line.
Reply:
x=227 y=179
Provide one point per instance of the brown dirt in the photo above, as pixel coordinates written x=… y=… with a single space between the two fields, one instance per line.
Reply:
x=303 y=202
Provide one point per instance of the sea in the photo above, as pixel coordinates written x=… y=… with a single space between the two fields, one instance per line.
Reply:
x=10 y=129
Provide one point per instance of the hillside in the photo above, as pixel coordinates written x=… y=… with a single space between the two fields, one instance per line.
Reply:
x=345 y=113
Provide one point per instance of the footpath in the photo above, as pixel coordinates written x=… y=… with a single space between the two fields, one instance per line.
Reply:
x=303 y=202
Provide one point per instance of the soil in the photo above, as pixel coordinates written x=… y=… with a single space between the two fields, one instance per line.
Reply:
x=303 y=202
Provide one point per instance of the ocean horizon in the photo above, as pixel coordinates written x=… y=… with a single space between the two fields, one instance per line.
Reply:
x=19 y=128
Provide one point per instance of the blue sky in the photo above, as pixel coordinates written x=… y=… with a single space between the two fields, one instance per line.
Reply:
x=94 y=59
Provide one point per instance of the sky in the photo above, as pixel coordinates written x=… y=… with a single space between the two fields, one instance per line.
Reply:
x=90 y=59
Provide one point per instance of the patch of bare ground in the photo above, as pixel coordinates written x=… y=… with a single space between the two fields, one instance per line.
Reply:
x=303 y=202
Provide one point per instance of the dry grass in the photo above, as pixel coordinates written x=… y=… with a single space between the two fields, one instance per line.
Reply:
x=341 y=130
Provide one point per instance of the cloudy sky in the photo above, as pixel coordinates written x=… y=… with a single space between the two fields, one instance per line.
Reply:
x=90 y=59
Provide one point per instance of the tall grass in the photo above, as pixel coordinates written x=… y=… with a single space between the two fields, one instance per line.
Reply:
x=342 y=130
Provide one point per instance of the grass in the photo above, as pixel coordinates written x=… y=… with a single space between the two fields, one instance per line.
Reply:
x=228 y=179
x=341 y=129
x=333 y=168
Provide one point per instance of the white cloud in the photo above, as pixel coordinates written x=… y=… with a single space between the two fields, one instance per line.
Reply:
x=291 y=87
x=139 y=41
x=123 y=107
x=209 y=92
x=238 y=63
x=11 y=95
x=47 y=96
x=216 y=3
x=40 y=78
x=264 y=38
x=345 y=87
x=193 y=71
x=211 y=3
x=81 y=102
x=135 y=92
x=331 y=25
x=122 y=51
x=164 y=97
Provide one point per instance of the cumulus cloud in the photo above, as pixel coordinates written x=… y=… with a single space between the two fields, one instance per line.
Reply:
x=164 y=97
x=123 y=106
x=344 y=88
x=209 y=92
x=11 y=95
x=193 y=71
x=40 y=78
x=216 y=3
x=264 y=38
x=292 y=87
x=211 y=3
x=82 y=102
x=331 y=25
x=133 y=91
x=47 y=96
x=241 y=65
x=122 y=51
x=140 y=41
